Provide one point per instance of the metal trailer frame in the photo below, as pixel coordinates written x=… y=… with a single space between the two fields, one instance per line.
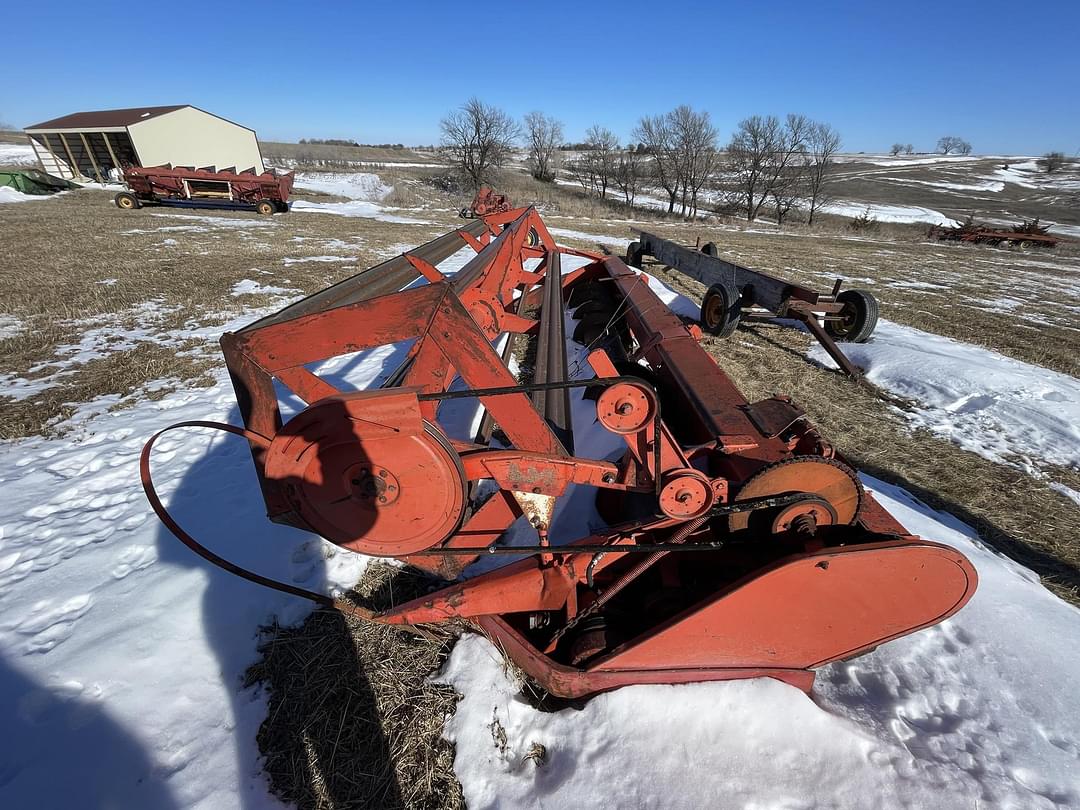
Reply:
x=266 y=193
x=740 y=544
x=752 y=288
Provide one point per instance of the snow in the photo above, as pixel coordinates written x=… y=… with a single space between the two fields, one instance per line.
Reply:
x=17 y=154
x=1067 y=491
x=13 y=195
x=353 y=185
x=977 y=709
x=888 y=213
x=288 y=260
x=10 y=326
x=249 y=287
x=1003 y=409
x=590 y=237
x=989 y=185
x=362 y=189
x=912 y=160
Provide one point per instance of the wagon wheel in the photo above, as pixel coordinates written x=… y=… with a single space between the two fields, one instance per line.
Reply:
x=265 y=207
x=857 y=320
x=127 y=201
x=720 y=311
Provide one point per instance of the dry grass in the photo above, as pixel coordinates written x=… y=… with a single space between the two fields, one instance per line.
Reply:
x=326 y=156
x=352 y=719
x=59 y=251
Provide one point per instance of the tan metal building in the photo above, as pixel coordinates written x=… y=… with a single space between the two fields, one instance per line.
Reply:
x=90 y=144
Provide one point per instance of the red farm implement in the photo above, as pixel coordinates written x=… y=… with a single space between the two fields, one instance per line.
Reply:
x=735 y=540
x=1025 y=235
x=485 y=203
x=267 y=193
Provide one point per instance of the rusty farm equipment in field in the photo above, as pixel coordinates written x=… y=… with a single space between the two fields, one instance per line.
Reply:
x=736 y=294
x=267 y=193
x=734 y=540
x=1028 y=234
x=485 y=203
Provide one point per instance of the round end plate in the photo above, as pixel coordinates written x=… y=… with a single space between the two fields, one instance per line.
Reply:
x=388 y=496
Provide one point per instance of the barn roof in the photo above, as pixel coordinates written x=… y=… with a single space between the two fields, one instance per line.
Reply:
x=94 y=119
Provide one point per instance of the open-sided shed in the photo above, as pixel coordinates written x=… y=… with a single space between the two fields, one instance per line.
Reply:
x=91 y=144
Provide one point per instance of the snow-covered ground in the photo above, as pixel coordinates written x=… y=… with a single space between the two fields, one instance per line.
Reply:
x=888 y=213
x=1003 y=409
x=363 y=190
x=17 y=154
x=13 y=195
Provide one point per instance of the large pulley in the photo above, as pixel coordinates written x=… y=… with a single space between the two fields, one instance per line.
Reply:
x=366 y=472
x=835 y=490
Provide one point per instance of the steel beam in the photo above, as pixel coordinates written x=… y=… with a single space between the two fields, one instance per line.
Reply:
x=755 y=286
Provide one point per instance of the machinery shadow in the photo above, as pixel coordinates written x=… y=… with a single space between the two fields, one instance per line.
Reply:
x=339 y=688
x=61 y=750
x=302 y=738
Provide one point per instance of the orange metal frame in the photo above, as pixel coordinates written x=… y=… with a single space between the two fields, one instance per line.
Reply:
x=694 y=593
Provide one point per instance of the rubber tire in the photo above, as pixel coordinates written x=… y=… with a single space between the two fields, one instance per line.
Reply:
x=710 y=249
x=129 y=198
x=266 y=207
x=633 y=254
x=863 y=313
x=729 y=311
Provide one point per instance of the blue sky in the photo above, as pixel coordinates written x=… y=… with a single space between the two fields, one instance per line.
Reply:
x=1002 y=75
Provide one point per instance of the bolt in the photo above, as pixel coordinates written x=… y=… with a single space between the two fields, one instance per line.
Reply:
x=382 y=499
x=624 y=408
x=392 y=488
x=608 y=478
x=536 y=490
x=382 y=473
x=683 y=496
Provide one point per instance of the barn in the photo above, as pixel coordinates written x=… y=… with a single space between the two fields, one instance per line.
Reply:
x=90 y=144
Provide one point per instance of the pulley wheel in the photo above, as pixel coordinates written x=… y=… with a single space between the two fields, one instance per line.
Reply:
x=388 y=495
x=831 y=481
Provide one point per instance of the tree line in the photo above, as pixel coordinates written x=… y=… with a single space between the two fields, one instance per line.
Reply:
x=779 y=165
x=782 y=164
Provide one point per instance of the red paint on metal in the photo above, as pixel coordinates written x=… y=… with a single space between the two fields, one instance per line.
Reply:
x=801 y=568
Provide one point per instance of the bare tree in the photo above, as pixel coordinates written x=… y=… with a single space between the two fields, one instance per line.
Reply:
x=544 y=135
x=694 y=139
x=602 y=145
x=629 y=169
x=477 y=138
x=1052 y=161
x=761 y=153
x=950 y=143
x=787 y=187
x=896 y=149
x=822 y=144
x=909 y=149
x=749 y=154
x=655 y=134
